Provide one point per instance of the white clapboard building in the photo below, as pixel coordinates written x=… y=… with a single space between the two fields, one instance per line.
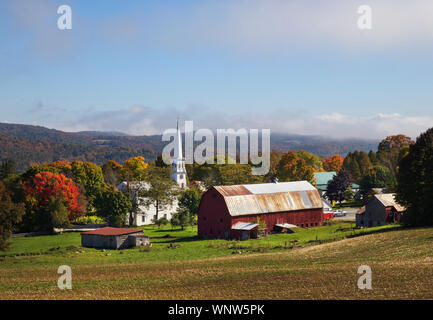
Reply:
x=145 y=214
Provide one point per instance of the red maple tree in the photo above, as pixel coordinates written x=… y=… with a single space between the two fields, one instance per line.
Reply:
x=334 y=163
x=46 y=185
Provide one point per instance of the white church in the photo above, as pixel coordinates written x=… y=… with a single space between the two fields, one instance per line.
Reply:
x=145 y=215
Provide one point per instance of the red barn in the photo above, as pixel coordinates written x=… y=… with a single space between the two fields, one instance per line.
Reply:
x=232 y=211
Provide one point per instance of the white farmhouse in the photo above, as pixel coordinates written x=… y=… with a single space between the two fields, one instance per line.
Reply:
x=144 y=215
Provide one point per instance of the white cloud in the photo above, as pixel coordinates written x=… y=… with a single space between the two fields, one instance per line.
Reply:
x=139 y=120
x=287 y=25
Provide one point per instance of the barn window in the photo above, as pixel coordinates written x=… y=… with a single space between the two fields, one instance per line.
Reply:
x=221 y=220
x=143 y=218
x=204 y=218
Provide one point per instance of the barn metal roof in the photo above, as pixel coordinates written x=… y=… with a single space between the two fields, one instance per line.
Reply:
x=109 y=231
x=388 y=200
x=270 y=197
x=286 y=225
x=244 y=226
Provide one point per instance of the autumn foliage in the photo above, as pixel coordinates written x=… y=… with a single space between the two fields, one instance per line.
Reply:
x=294 y=167
x=47 y=185
x=334 y=163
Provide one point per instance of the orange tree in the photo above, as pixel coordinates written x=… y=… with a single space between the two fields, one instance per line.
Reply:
x=293 y=167
x=334 y=163
x=51 y=201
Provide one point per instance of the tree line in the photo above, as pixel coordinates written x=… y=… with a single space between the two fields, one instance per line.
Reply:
x=56 y=194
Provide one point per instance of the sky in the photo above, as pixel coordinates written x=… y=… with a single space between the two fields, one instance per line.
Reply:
x=294 y=66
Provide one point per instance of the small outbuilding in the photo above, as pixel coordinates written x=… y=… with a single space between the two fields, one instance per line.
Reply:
x=114 y=238
x=381 y=209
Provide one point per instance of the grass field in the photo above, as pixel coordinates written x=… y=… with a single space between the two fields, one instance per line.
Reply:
x=276 y=267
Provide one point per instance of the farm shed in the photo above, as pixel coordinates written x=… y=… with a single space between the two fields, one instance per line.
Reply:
x=113 y=238
x=222 y=208
x=379 y=210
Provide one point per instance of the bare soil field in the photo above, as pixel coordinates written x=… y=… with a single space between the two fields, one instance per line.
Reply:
x=401 y=262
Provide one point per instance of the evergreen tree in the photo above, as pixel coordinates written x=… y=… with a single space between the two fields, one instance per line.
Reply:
x=7 y=169
x=415 y=181
x=10 y=215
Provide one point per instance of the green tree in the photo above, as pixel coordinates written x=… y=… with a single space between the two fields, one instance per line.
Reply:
x=190 y=200
x=364 y=163
x=182 y=218
x=159 y=162
x=161 y=191
x=415 y=181
x=373 y=157
x=378 y=177
x=56 y=214
x=113 y=206
x=111 y=171
x=261 y=229
x=160 y=222
x=10 y=215
x=389 y=151
x=351 y=165
x=7 y=169
x=90 y=176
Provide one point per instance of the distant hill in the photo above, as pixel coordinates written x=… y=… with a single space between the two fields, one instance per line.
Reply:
x=320 y=145
x=104 y=133
x=27 y=144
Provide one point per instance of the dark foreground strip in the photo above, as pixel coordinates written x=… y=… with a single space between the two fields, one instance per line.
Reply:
x=205 y=309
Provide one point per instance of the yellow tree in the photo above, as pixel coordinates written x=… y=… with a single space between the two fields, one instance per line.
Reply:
x=134 y=169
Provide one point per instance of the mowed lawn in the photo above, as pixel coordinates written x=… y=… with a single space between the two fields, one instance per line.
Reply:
x=276 y=267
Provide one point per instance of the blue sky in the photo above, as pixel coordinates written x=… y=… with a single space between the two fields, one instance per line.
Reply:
x=292 y=66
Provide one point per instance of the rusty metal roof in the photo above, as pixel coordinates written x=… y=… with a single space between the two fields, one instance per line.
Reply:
x=388 y=200
x=228 y=191
x=270 y=197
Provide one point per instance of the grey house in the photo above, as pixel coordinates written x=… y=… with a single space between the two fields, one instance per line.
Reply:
x=379 y=210
x=114 y=238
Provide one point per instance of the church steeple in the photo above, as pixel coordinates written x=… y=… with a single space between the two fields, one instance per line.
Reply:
x=178 y=149
x=178 y=171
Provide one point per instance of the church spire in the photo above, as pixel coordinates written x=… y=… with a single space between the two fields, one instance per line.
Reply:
x=178 y=170
x=178 y=149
